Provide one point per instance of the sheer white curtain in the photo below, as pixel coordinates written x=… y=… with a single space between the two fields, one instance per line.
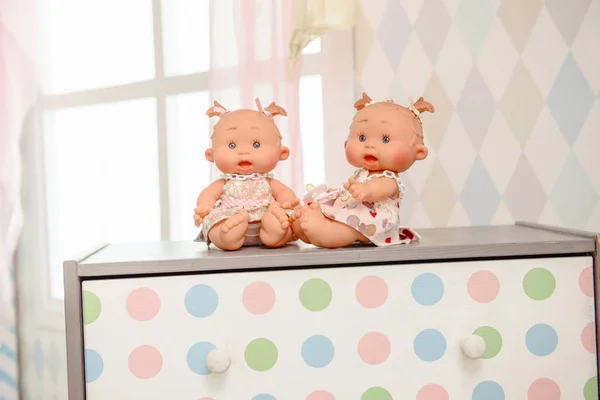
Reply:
x=17 y=94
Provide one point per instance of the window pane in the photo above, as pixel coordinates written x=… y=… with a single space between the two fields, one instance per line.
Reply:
x=101 y=166
x=95 y=43
x=189 y=171
x=311 y=129
x=186 y=36
x=313 y=47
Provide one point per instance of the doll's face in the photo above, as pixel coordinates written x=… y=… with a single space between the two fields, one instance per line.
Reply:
x=384 y=137
x=246 y=142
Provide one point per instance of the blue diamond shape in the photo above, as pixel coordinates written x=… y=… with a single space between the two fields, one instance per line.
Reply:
x=573 y=195
x=397 y=92
x=432 y=26
x=480 y=198
x=474 y=19
x=394 y=32
x=570 y=100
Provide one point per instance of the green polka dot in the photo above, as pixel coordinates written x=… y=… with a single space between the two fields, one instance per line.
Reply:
x=261 y=354
x=91 y=307
x=376 y=393
x=493 y=340
x=315 y=294
x=539 y=284
x=590 y=390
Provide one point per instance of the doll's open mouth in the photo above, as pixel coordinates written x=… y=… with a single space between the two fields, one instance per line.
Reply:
x=244 y=165
x=369 y=159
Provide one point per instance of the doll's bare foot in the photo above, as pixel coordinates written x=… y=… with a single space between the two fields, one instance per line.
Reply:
x=296 y=223
x=324 y=232
x=275 y=228
x=230 y=233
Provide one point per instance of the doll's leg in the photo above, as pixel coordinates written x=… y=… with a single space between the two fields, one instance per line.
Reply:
x=275 y=230
x=230 y=234
x=296 y=223
x=324 y=232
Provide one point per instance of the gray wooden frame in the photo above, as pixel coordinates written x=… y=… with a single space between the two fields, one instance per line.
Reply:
x=522 y=239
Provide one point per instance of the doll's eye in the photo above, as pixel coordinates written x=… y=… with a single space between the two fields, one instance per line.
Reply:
x=232 y=145
x=362 y=138
x=256 y=145
x=385 y=139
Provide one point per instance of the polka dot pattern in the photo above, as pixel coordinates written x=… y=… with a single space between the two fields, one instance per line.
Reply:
x=543 y=389
x=145 y=362
x=371 y=292
x=258 y=298
x=430 y=345
x=143 y=304
x=374 y=348
x=377 y=295
x=318 y=351
x=201 y=301
x=541 y=340
x=427 y=289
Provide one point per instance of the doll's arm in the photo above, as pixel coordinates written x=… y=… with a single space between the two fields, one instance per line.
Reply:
x=284 y=195
x=374 y=190
x=207 y=199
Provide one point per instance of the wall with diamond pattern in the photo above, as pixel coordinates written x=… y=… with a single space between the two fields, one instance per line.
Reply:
x=516 y=86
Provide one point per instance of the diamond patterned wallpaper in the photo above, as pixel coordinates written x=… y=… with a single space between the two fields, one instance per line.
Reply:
x=516 y=85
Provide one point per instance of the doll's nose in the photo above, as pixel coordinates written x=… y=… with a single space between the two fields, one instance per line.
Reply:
x=243 y=154
x=369 y=146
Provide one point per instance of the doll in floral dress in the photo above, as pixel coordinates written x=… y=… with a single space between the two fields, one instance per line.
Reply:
x=246 y=206
x=385 y=140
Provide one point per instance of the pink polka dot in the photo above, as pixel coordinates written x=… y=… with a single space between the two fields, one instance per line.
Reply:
x=143 y=304
x=543 y=389
x=374 y=348
x=586 y=282
x=483 y=286
x=145 y=362
x=320 y=395
x=258 y=298
x=432 y=392
x=588 y=337
x=371 y=292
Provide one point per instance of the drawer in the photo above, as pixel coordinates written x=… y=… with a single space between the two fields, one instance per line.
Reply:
x=365 y=332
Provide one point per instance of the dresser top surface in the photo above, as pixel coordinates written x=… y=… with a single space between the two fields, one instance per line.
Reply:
x=436 y=244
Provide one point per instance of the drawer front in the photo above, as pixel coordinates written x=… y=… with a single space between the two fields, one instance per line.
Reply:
x=364 y=333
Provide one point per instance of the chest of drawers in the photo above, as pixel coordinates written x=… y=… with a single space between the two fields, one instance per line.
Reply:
x=481 y=313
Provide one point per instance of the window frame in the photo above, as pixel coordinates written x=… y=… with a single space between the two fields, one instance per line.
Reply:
x=334 y=63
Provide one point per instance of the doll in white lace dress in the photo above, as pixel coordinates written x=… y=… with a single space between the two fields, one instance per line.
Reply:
x=246 y=206
x=385 y=139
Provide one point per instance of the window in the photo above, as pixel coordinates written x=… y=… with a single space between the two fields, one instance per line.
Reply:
x=123 y=121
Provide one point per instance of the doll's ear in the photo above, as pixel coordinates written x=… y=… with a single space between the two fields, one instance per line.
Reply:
x=364 y=100
x=285 y=153
x=209 y=155
x=275 y=109
x=421 y=152
x=216 y=110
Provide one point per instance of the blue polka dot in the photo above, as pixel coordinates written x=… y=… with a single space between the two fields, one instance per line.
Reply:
x=196 y=357
x=93 y=365
x=488 y=390
x=263 y=397
x=201 y=301
x=430 y=345
x=541 y=340
x=318 y=351
x=427 y=289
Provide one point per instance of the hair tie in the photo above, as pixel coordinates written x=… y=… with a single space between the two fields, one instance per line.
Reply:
x=260 y=108
x=414 y=109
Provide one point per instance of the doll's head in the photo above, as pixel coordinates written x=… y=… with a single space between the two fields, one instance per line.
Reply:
x=386 y=136
x=246 y=141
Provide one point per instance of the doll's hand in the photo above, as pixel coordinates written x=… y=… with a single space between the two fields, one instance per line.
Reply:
x=358 y=190
x=291 y=204
x=199 y=213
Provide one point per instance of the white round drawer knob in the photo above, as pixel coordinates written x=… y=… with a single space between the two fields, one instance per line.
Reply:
x=473 y=346
x=218 y=361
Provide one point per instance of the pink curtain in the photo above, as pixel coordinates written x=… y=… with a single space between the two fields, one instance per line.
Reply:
x=249 y=55
x=17 y=95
